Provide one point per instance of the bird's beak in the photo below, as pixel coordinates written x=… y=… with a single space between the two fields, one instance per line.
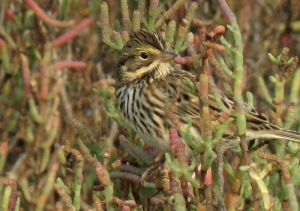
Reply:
x=166 y=56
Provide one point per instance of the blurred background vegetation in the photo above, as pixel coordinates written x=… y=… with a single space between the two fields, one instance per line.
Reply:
x=60 y=125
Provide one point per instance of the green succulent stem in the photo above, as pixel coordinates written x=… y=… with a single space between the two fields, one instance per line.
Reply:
x=136 y=21
x=292 y=196
x=264 y=91
x=3 y=157
x=78 y=182
x=262 y=187
x=185 y=171
x=152 y=13
x=168 y=14
x=221 y=130
x=238 y=75
x=295 y=87
x=199 y=146
x=8 y=38
x=179 y=200
x=106 y=30
x=141 y=8
x=61 y=183
x=226 y=69
x=170 y=32
x=33 y=109
x=279 y=87
x=125 y=14
x=228 y=168
x=210 y=155
x=289 y=117
x=88 y=141
x=279 y=94
x=5 y=199
x=180 y=45
x=5 y=60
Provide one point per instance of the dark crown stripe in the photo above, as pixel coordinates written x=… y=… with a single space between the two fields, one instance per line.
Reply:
x=146 y=37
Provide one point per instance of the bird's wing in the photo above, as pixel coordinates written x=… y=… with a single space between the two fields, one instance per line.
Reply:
x=187 y=106
x=251 y=116
x=187 y=103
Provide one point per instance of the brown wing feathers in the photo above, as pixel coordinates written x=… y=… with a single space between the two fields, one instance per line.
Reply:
x=258 y=125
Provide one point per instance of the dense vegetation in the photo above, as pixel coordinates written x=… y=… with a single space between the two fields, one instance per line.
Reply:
x=64 y=145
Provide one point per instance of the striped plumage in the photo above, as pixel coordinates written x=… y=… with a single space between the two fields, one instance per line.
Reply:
x=146 y=85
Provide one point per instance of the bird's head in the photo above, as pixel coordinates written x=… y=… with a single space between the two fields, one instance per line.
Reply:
x=143 y=57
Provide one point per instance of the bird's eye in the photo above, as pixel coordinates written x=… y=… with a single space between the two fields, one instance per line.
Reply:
x=144 y=55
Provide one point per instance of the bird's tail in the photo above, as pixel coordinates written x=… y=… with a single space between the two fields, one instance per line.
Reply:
x=288 y=135
x=278 y=134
